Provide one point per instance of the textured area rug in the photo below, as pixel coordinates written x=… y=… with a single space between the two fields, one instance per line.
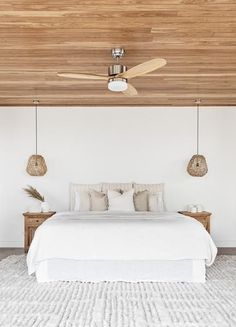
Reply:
x=25 y=303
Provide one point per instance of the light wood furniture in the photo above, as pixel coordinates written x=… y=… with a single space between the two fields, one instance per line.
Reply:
x=32 y=222
x=39 y=38
x=204 y=217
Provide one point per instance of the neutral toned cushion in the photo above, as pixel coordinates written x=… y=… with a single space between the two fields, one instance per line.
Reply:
x=155 y=202
x=121 y=202
x=78 y=202
x=116 y=186
x=82 y=201
x=98 y=201
x=152 y=188
x=141 y=201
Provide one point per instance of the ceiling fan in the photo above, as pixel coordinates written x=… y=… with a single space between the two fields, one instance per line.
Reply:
x=118 y=75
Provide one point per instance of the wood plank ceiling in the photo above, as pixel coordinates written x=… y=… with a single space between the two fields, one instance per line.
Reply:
x=41 y=37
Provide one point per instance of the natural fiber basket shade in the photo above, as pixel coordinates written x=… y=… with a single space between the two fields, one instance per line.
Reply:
x=36 y=165
x=197 y=166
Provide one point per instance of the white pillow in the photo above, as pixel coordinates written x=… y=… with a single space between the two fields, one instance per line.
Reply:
x=155 y=202
x=75 y=189
x=153 y=189
x=121 y=202
x=82 y=201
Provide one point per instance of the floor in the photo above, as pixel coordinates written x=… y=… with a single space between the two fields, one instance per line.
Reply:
x=111 y=304
x=5 y=252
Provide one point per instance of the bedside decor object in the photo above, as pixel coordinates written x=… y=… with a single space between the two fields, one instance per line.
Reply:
x=197 y=165
x=203 y=217
x=33 y=193
x=36 y=164
x=32 y=221
x=195 y=208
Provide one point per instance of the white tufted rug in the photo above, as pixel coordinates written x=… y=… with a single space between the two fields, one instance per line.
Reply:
x=25 y=303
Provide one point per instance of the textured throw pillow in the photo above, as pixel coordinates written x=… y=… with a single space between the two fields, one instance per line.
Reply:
x=155 y=202
x=121 y=202
x=153 y=189
x=141 y=201
x=98 y=201
x=81 y=189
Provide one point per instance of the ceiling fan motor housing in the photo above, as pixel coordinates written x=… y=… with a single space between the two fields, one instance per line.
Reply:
x=116 y=69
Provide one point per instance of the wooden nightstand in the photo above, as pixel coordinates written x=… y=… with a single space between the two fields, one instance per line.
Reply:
x=32 y=222
x=204 y=217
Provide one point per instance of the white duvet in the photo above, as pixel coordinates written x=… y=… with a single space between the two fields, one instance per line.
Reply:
x=120 y=236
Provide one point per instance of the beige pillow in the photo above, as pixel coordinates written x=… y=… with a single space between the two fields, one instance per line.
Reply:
x=79 y=196
x=98 y=201
x=141 y=201
x=157 y=189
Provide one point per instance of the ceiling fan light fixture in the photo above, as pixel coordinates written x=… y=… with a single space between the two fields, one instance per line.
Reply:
x=117 y=84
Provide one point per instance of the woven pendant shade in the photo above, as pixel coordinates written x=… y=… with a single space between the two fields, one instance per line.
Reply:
x=197 y=165
x=36 y=164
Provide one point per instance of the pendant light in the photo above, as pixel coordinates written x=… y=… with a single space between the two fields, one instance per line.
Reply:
x=197 y=165
x=36 y=164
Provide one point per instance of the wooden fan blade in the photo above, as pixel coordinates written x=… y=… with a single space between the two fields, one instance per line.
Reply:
x=131 y=91
x=144 y=68
x=82 y=76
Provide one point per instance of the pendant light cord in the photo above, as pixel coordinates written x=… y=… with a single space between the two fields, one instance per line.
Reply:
x=36 y=128
x=197 y=128
x=36 y=102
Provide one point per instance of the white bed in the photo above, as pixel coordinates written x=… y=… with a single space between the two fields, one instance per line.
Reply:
x=109 y=246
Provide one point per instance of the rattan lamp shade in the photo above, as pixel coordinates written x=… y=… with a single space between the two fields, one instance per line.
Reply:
x=197 y=166
x=36 y=165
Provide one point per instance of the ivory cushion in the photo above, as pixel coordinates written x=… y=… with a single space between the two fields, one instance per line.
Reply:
x=141 y=200
x=79 y=196
x=98 y=201
x=121 y=201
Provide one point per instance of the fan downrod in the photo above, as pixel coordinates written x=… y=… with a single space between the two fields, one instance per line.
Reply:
x=117 y=53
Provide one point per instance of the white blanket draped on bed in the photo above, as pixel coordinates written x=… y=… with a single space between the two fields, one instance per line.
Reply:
x=120 y=236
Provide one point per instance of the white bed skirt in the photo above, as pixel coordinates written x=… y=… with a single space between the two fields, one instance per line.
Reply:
x=129 y=271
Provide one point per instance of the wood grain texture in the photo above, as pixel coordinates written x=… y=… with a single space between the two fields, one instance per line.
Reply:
x=203 y=217
x=40 y=38
x=31 y=222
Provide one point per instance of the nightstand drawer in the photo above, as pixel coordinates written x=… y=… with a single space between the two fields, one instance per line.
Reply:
x=32 y=222
x=35 y=221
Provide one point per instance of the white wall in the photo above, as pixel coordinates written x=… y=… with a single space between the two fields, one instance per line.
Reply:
x=119 y=144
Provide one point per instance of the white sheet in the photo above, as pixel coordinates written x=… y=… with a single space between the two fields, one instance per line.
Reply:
x=120 y=236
